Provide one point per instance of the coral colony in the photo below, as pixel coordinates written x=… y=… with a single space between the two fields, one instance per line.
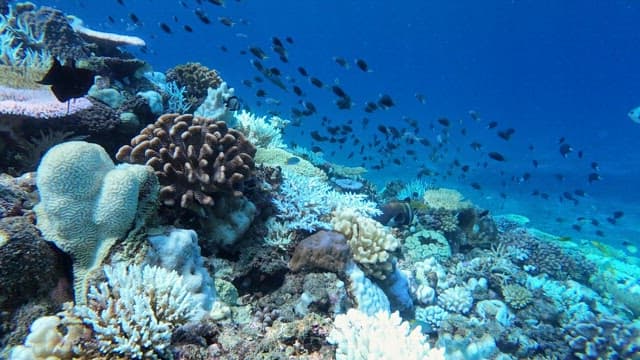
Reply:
x=210 y=238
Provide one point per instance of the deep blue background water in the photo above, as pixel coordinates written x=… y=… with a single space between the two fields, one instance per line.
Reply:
x=548 y=69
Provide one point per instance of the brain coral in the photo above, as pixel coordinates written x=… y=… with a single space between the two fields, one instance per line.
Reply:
x=194 y=158
x=87 y=203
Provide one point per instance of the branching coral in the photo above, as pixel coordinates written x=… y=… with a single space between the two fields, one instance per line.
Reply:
x=134 y=312
x=378 y=337
x=194 y=158
x=262 y=133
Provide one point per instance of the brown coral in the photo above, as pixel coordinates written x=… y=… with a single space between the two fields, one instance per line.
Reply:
x=326 y=250
x=194 y=158
x=196 y=78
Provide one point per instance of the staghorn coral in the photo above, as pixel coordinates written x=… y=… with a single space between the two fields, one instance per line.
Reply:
x=194 y=158
x=196 y=78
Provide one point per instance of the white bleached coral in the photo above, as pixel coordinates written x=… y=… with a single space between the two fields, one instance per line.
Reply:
x=379 y=337
x=260 y=131
x=134 y=312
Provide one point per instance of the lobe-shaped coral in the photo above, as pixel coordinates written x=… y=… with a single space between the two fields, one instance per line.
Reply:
x=194 y=158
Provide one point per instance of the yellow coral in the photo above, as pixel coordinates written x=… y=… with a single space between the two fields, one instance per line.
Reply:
x=447 y=199
x=279 y=157
x=370 y=242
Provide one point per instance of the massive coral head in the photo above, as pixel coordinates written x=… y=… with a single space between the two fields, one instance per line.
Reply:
x=195 y=159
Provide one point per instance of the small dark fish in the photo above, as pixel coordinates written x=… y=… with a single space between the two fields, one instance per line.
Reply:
x=316 y=149
x=202 y=16
x=580 y=192
x=561 y=140
x=232 y=103
x=580 y=154
x=344 y=103
x=261 y=93
x=247 y=83
x=611 y=220
x=341 y=61
x=165 y=28
x=223 y=48
x=474 y=115
x=576 y=227
x=476 y=146
x=303 y=71
x=370 y=107
x=175 y=19
x=316 y=82
x=276 y=41
x=289 y=39
x=225 y=21
x=338 y=91
x=309 y=106
x=111 y=19
x=188 y=28
x=444 y=122
x=600 y=233
x=535 y=163
x=593 y=177
x=595 y=166
x=421 y=98
x=496 y=156
x=258 y=65
x=67 y=82
x=274 y=71
x=362 y=65
x=293 y=160
x=134 y=18
x=217 y=2
x=121 y=2
x=506 y=134
x=476 y=186
x=492 y=125
x=183 y=4
x=297 y=90
x=618 y=214
x=385 y=102
x=383 y=129
x=257 y=52
x=595 y=222
x=565 y=149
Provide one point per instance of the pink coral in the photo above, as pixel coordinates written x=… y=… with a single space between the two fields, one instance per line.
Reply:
x=37 y=103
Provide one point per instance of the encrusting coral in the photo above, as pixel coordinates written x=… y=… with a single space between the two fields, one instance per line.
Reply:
x=194 y=158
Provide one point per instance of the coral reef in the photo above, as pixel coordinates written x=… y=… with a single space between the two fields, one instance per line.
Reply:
x=195 y=159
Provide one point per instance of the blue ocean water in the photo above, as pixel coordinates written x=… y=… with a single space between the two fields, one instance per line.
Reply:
x=547 y=69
